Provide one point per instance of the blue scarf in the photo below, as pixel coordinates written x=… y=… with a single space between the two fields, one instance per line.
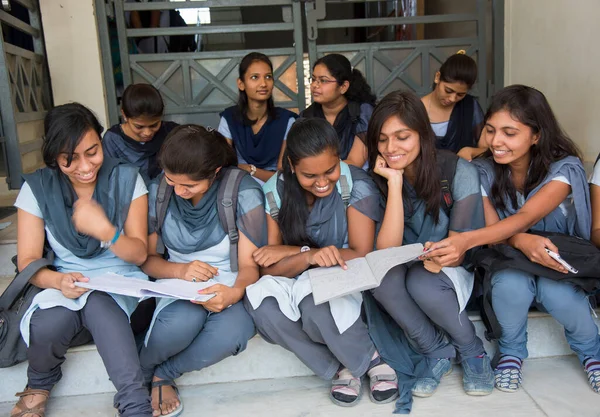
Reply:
x=55 y=196
x=345 y=124
x=260 y=149
x=460 y=131
x=143 y=155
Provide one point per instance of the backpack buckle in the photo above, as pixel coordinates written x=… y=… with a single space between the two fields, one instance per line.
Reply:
x=233 y=235
x=227 y=202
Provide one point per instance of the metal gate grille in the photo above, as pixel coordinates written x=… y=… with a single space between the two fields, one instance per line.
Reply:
x=25 y=94
x=204 y=83
x=198 y=85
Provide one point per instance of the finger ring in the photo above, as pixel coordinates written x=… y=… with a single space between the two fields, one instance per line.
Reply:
x=193 y=279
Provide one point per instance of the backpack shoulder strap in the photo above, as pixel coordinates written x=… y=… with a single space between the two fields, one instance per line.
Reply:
x=227 y=208
x=162 y=204
x=345 y=183
x=272 y=197
x=15 y=288
x=447 y=163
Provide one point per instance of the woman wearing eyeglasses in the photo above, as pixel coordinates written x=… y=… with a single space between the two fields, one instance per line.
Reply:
x=342 y=96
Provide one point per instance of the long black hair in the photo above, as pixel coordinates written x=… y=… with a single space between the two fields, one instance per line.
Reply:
x=459 y=68
x=64 y=127
x=406 y=106
x=195 y=151
x=530 y=107
x=339 y=67
x=142 y=100
x=242 y=103
x=307 y=137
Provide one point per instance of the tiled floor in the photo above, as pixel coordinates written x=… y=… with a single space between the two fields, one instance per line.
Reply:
x=553 y=387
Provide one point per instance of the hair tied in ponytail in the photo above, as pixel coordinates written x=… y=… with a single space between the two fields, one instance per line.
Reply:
x=461 y=52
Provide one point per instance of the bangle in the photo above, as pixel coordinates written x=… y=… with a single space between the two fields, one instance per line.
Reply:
x=105 y=244
x=252 y=170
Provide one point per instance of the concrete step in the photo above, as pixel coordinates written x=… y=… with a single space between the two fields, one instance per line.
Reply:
x=84 y=373
x=554 y=387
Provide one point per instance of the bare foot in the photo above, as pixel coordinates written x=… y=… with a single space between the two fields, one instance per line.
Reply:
x=30 y=402
x=170 y=400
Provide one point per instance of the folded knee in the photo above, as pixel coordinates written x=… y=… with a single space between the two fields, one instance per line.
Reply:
x=392 y=286
x=266 y=314
x=50 y=325
x=513 y=287
x=555 y=295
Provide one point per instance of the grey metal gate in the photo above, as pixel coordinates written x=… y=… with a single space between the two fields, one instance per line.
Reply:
x=407 y=64
x=198 y=85
x=25 y=94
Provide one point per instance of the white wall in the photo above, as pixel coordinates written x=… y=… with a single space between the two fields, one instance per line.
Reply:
x=73 y=51
x=552 y=45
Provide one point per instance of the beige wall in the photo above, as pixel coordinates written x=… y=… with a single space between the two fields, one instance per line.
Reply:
x=73 y=52
x=552 y=46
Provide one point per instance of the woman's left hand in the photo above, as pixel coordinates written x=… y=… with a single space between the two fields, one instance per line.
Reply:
x=447 y=252
x=90 y=219
x=224 y=297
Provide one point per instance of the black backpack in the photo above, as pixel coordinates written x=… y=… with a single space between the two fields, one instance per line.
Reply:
x=447 y=161
x=580 y=253
x=14 y=302
x=180 y=43
x=227 y=198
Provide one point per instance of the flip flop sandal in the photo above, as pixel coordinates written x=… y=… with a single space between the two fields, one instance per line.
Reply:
x=39 y=410
x=171 y=383
x=354 y=384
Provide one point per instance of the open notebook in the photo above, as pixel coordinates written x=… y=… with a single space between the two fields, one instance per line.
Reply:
x=169 y=288
x=362 y=273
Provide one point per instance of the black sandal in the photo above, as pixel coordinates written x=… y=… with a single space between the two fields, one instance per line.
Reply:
x=171 y=383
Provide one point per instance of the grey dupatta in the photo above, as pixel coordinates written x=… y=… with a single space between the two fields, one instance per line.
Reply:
x=55 y=197
x=189 y=228
x=572 y=169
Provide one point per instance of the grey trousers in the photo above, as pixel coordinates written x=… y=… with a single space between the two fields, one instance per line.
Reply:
x=315 y=339
x=54 y=330
x=186 y=337
x=425 y=306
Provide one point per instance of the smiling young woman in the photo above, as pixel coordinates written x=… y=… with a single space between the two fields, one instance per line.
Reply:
x=92 y=211
x=427 y=303
x=314 y=228
x=532 y=178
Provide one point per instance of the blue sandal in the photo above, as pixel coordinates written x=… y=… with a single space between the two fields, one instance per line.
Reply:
x=159 y=385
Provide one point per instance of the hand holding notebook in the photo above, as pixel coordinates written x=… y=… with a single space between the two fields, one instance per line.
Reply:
x=362 y=273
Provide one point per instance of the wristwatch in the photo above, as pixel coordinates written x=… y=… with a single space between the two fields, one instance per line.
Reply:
x=304 y=249
x=252 y=170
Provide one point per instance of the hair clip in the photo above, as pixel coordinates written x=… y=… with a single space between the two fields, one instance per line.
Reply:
x=209 y=129
x=193 y=128
x=461 y=52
